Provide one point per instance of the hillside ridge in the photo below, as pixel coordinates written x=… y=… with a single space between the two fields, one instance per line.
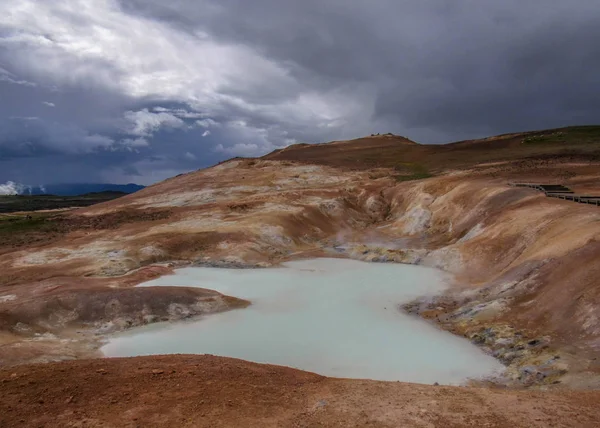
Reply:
x=577 y=142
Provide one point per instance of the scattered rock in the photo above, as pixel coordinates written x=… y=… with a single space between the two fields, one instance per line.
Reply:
x=321 y=403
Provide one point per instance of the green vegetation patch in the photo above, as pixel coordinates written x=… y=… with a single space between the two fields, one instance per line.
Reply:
x=408 y=171
x=26 y=223
x=572 y=136
x=21 y=230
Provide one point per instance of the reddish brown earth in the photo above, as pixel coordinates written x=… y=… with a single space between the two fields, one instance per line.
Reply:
x=206 y=391
x=526 y=271
x=406 y=156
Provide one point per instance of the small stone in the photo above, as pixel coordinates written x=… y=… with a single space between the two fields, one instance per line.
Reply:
x=157 y=371
x=101 y=371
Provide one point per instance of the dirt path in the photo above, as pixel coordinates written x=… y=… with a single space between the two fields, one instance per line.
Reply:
x=206 y=391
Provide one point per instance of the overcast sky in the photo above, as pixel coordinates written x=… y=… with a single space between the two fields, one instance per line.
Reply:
x=140 y=90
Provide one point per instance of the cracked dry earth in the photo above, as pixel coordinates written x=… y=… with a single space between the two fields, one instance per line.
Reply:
x=522 y=264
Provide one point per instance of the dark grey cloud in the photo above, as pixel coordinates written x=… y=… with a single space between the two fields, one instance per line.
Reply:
x=457 y=68
x=136 y=90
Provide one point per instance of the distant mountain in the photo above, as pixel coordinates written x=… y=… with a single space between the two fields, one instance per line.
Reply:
x=71 y=189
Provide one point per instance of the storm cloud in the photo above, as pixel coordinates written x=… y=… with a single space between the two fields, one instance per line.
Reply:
x=138 y=90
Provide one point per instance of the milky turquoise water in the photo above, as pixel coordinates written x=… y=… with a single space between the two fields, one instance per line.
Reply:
x=330 y=316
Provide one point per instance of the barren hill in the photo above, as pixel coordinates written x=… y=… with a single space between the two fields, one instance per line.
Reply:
x=392 y=151
x=526 y=267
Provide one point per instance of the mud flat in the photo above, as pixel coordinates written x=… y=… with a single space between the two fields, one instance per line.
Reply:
x=333 y=317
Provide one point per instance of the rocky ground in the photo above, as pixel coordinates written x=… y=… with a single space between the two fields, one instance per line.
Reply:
x=525 y=270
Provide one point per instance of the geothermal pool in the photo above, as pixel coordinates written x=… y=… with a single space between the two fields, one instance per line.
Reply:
x=330 y=316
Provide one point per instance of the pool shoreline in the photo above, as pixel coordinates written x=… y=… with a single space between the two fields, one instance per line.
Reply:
x=392 y=305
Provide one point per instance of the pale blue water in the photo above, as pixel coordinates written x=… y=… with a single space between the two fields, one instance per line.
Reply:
x=330 y=316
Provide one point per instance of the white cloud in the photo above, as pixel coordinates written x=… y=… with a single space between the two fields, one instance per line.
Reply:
x=206 y=123
x=6 y=76
x=82 y=32
x=12 y=188
x=206 y=133
x=144 y=123
x=189 y=156
x=48 y=104
x=24 y=118
x=101 y=45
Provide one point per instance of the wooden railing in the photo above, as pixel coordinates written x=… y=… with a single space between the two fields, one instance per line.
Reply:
x=561 y=192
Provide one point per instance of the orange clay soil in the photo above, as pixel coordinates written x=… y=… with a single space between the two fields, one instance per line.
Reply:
x=207 y=391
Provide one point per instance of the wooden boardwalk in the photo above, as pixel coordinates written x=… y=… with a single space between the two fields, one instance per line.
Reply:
x=561 y=192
